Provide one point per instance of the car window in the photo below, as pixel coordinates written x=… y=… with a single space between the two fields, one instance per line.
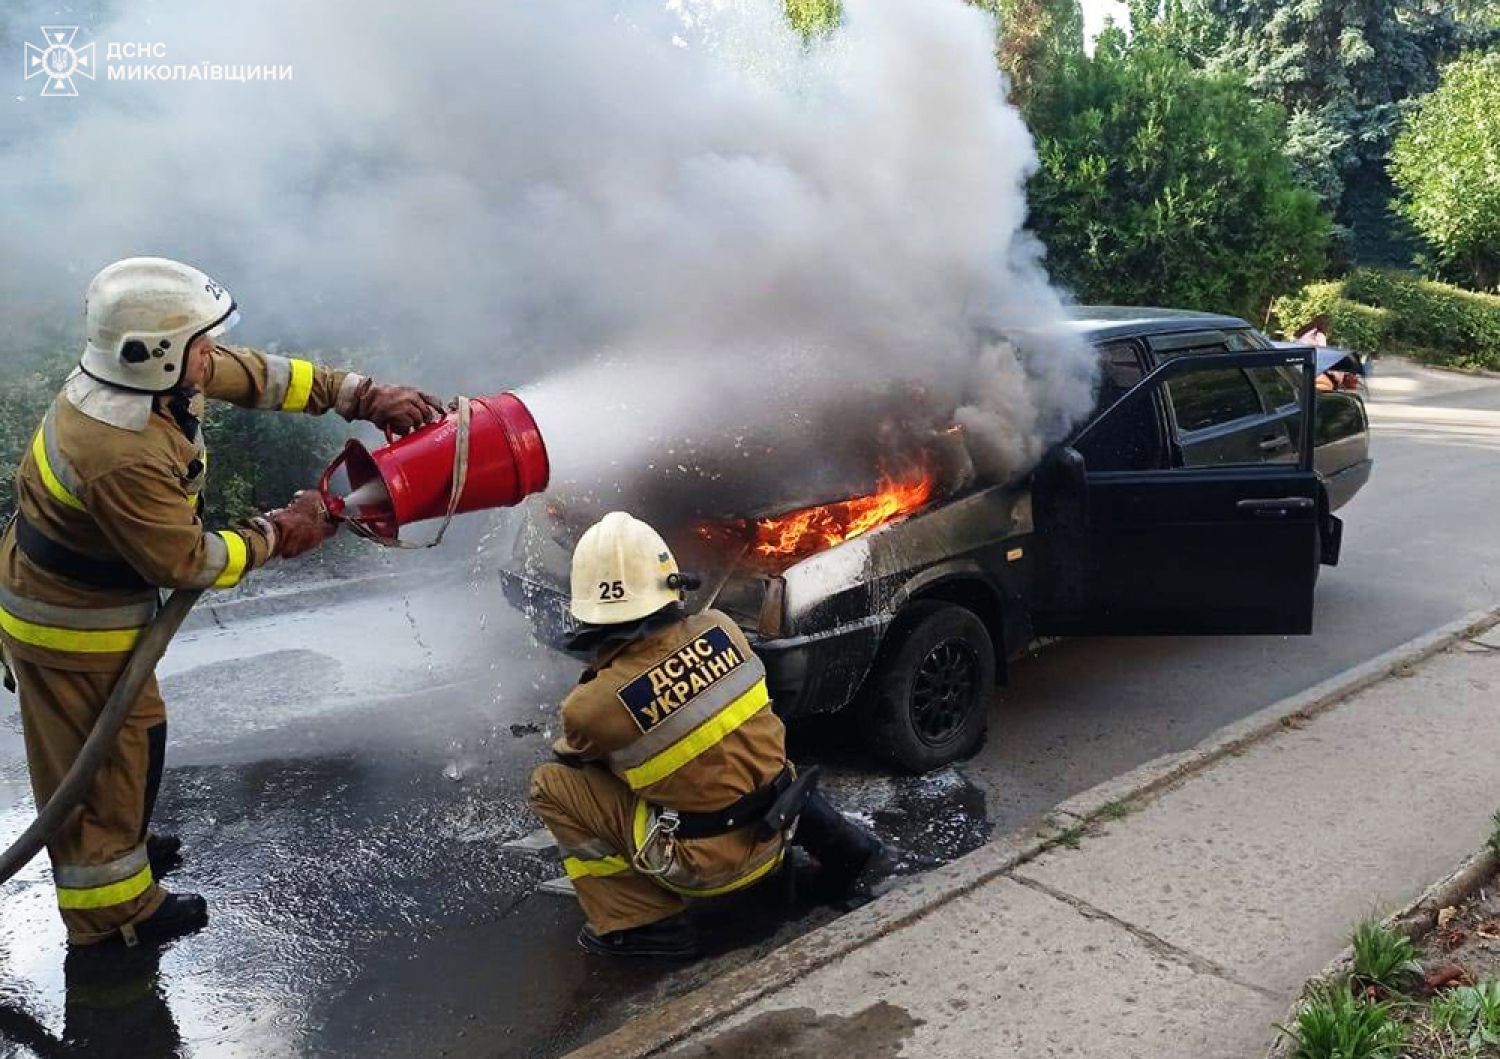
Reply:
x=1243 y=342
x=1210 y=398
x=1131 y=440
x=1276 y=385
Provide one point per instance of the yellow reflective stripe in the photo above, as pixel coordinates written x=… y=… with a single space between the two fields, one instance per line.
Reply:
x=771 y=864
x=54 y=486
x=603 y=866
x=234 y=566
x=706 y=735
x=105 y=896
x=300 y=388
x=85 y=641
x=641 y=827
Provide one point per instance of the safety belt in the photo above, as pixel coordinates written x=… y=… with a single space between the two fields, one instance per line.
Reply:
x=770 y=809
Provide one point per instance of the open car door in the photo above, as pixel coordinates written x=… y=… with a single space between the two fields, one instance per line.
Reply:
x=1218 y=530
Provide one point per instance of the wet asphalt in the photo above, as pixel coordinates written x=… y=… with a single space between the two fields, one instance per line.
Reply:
x=345 y=778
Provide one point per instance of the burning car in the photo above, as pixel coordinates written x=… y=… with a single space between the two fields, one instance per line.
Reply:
x=1197 y=499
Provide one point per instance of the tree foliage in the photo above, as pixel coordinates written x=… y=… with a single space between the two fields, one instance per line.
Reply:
x=1447 y=166
x=1164 y=184
x=1342 y=69
x=1040 y=41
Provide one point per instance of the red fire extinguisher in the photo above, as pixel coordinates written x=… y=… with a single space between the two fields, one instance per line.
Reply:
x=486 y=453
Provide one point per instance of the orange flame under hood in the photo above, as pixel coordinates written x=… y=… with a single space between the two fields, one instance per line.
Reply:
x=801 y=533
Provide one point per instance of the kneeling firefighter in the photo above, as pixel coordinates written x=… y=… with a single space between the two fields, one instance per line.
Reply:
x=672 y=780
x=109 y=504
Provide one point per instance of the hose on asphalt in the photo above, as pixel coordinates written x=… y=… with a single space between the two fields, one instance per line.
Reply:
x=100 y=743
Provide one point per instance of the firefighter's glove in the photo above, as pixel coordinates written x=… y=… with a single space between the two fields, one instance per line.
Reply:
x=398 y=409
x=302 y=525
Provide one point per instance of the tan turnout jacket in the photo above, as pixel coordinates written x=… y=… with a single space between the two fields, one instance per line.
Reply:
x=682 y=717
x=111 y=475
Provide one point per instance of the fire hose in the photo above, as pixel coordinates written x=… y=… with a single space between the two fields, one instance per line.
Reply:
x=100 y=743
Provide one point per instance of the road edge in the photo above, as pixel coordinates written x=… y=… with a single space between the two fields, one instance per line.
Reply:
x=1416 y=921
x=651 y=1032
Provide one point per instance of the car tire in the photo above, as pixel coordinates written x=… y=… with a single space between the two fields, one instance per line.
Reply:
x=927 y=701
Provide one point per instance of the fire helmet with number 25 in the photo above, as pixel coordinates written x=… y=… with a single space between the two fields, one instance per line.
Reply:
x=141 y=314
x=622 y=571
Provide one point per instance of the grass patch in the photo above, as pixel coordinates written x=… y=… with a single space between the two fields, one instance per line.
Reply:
x=1471 y=1014
x=1383 y=957
x=1494 y=842
x=1335 y=1024
x=1118 y=810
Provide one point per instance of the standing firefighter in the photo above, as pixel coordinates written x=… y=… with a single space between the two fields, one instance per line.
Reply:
x=672 y=780
x=109 y=505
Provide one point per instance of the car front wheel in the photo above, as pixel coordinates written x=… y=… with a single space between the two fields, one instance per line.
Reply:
x=928 y=699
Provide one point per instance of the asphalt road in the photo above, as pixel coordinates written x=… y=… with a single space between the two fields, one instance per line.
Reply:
x=345 y=779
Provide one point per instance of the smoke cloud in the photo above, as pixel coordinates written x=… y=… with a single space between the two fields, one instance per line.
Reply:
x=730 y=269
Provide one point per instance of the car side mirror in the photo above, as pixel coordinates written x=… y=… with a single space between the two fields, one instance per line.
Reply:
x=1063 y=469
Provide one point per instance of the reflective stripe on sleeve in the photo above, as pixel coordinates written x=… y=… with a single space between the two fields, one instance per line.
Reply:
x=236 y=555
x=116 y=893
x=707 y=735
x=56 y=475
x=278 y=378
x=299 y=389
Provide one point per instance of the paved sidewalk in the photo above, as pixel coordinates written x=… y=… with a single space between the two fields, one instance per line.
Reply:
x=1184 y=927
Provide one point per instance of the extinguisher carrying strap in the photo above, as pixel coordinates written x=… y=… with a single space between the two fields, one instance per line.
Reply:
x=460 y=476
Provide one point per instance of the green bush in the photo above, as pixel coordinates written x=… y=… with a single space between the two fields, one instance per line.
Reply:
x=1378 y=311
x=1161 y=184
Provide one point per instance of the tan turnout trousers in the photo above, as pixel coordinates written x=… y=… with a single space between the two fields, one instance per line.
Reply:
x=677 y=719
x=105 y=842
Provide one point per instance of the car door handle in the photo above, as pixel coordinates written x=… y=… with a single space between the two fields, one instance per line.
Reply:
x=1275 y=443
x=1280 y=507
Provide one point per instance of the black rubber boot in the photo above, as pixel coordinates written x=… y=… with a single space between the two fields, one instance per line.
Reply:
x=669 y=939
x=178 y=916
x=165 y=854
x=851 y=858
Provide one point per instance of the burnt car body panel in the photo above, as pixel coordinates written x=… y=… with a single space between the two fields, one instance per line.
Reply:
x=821 y=623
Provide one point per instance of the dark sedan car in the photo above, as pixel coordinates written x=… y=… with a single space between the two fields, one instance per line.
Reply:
x=1193 y=500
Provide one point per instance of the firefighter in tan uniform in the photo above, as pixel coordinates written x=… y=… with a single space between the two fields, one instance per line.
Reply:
x=109 y=499
x=672 y=780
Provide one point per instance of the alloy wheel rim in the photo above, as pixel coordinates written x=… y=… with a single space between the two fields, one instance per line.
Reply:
x=943 y=691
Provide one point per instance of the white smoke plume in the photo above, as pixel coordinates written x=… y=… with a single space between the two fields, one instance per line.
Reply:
x=704 y=248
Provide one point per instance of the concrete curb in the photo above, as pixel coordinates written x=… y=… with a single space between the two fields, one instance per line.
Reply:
x=219 y=615
x=652 y=1032
x=1416 y=921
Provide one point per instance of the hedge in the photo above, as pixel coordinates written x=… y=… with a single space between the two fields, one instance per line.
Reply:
x=1379 y=311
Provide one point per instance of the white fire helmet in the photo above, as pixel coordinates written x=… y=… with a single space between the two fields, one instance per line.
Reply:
x=141 y=314
x=622 y=571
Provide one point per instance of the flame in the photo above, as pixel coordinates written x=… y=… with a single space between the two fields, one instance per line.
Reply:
x=800 y=533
